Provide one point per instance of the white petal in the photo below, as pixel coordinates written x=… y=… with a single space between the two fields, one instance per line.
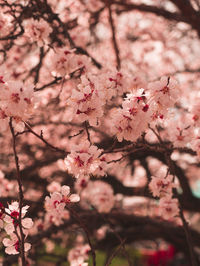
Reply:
x=11 y=250
x=9 y=228
x=7 y=219
x=27 y=223
x=65 y=190
x=7 y=242
x=1 y=224
x=27 y=246
x=74 y=198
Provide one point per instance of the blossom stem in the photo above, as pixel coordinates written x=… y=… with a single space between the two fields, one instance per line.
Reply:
x=87 y=234
x=43 y=140
x=87 y=131
x=21 y=196
x=114 y=41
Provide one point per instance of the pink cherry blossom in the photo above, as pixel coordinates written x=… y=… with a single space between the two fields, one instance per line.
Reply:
x=130 y=121
x=99 y=103
x=11 y=220
x=55 y=205
x=12 y=245
x=85 y=159
x=85 y=102
x=78 y=255
x=38 y=31
x=54 y=186
x=65 y=61
x=161 y=186
x=180 y=132
x=98 y=194
x=168 y=207
x=195 y=144
x=195 y=111
x=164 y=92
x=17 y=101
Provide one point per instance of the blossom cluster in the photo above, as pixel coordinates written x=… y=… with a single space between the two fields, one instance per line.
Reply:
x=5 y=25
x=180 y=131
x=88 y=100
x=16 y=101
x=37 y=31
x=196 y=146
x=142 y=107
x=85 y=159
x=78 y=255
x=130 y=121
x=164 y=93
x=195 y=111
x=86 y=103
x=99 y=195
x=9 y=220
x=59 y=45
x=162 y=187
x=56 y=203
x=65 y=61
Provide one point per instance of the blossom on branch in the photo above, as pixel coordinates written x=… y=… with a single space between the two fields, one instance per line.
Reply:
x=130 y=121
x=12 y=218
x=16 y=101
x=161 y=186
x=37 y=31
x=85 y=159
x=55 y=205
x=12 y=245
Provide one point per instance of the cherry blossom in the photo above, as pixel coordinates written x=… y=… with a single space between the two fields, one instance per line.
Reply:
x=65 y=61
x=99 y=103
x=78 y=255
x=180 y=131
x=130 y=121
x=168 y=207
x=195 y=111
x=85 y=102
x=38 y=31
x=12 y=245
x=54 y=186
x=98 y=194
x=196 y=145
x=55 y=205
x=12 y=216
x=161 y=186
x=164 y=92
x=17 y=101
x=85 y=159
x=5 y=24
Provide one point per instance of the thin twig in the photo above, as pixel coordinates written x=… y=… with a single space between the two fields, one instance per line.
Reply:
x=83 y=226
x=43 y=140
x=114 y=40
x=21 y=196
x=115 y=253
x=87 y=131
